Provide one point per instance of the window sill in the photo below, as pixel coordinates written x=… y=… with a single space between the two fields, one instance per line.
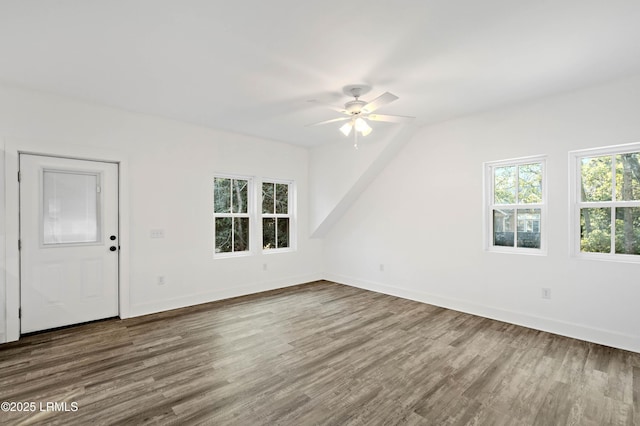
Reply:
x=275 y=251
x=231 y=255
x=509 y=250
x=618 y=258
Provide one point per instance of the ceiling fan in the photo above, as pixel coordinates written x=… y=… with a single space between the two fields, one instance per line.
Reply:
x=358 y=112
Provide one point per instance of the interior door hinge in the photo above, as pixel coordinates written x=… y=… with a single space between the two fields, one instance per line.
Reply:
x=19 y=312
x=98 y=189
x=18 y=175
x=19 y=245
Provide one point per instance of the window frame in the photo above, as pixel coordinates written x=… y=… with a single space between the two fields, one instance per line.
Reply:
x=489 y=206
x=576 y=203
x=250 y=214
x=291 y=215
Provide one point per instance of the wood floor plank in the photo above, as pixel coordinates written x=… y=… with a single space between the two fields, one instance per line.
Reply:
x=317 y=354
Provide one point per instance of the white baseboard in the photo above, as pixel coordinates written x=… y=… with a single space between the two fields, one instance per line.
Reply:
x=3 y=338
x=199 y=298
x=563 y=328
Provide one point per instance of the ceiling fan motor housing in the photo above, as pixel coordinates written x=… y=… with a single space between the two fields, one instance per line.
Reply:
x=355 y=106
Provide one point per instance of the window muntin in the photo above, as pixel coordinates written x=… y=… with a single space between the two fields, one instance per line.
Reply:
x=232 y=221
x=276 y=215
x=606 y=203
x=516 y=205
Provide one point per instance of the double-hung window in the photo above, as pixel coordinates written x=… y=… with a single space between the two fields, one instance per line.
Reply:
x=277 y=207
x=605 y=202
x=231 y=211
x=515 y=201
x=247 y=211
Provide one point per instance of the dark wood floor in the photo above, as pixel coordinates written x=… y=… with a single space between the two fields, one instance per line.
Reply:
x=318 y=354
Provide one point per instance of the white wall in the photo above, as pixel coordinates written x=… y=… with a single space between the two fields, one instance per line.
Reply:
x=333 y=170
x=338 y=173
x=422 y=219
x=170 y=167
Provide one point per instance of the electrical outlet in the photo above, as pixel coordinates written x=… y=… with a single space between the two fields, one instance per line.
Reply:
x=161 y=280
x=546 y=293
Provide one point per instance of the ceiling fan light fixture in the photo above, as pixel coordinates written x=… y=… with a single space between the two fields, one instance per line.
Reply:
x=346 y=129
x=362 y=126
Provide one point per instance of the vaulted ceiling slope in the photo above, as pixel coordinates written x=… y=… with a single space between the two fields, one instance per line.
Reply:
x=250 y=66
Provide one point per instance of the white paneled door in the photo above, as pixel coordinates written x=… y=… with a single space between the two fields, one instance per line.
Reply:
x=69 y=241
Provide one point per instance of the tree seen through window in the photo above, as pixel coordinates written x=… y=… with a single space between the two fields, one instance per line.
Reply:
x=609 y=208
x=231 y=215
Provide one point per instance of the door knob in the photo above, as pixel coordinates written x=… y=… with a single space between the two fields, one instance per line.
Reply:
x=112 y=238
x=113 y=248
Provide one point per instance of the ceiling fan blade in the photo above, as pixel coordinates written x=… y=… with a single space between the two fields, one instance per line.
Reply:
x=335 y=120
x=381 y=100
x=389 y=118
x=332 y=107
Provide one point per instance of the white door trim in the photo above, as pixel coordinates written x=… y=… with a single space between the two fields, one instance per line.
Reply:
x=12 y=220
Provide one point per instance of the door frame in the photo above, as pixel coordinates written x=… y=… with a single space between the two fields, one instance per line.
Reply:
x=13 y=149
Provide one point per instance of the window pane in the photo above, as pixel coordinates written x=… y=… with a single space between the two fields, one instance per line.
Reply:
x=628 y=230
x=529 y=228
x=628 y=176
x=503 y=234
x=595 y=230
x=596 y=178
x=268 y=233
x=240 y=233
x=283 y=232
x=221 y=195
x=240 y=196
x=267 y=198
x=223 y=234
x=504 y=187
x=530 y=183
x=282 y=198
x=70 y=208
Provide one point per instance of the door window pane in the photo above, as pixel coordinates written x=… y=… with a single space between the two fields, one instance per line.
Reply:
x=595 y=230
x=70 y=208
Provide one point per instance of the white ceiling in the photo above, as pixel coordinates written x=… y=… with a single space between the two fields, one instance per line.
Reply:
x=250 y=66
